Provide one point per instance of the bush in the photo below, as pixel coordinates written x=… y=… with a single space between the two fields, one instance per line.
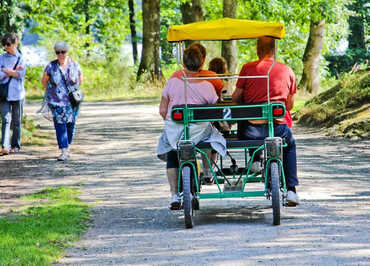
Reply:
x=102 y=80
x=32 y=82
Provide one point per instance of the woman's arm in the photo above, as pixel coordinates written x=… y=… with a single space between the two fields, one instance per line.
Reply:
x=81 y=77
x=45 y=80
x=163 y=106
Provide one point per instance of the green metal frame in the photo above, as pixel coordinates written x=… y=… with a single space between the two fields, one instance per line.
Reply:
x=245 y=176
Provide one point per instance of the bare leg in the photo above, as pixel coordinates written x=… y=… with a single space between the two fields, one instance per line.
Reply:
x=172 y=179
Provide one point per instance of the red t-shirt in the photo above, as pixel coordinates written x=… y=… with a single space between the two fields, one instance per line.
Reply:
x=217 y=83
x=282 y=83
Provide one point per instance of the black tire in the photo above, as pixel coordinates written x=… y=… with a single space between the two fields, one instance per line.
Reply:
x=275 y=192
x=186 y=197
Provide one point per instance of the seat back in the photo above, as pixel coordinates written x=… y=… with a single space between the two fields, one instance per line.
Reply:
x=209 y=113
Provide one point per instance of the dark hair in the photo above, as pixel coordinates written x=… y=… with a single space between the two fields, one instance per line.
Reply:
x=201 y=48
x=9 y=38
x=265 y=46
x=192 y=59
x=217 y=65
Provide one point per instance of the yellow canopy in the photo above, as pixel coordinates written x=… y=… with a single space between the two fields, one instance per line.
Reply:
x=225 y=29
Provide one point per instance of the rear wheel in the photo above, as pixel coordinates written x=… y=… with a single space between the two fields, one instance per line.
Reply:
x=187 y=197
x=275 y=192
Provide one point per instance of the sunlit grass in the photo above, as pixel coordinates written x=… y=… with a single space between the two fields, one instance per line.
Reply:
x=39 y=234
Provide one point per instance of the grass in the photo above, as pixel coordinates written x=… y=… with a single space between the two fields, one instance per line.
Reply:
x=39 y=234
x=33 y=135
x=344 y=108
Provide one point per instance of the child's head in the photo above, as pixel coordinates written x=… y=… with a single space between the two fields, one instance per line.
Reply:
x=218 y=65
x=192 y=59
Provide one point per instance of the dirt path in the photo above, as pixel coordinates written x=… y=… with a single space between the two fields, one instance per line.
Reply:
x=115 y=167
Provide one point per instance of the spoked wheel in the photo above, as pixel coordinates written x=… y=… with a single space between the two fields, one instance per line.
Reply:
x=187 y=197
x=275 y=192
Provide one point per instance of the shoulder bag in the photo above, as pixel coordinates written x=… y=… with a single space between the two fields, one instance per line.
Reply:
x=4 y=88
x=76 y=96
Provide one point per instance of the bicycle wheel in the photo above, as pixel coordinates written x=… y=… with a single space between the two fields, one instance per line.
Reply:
x=275 y=192
x=187 y=197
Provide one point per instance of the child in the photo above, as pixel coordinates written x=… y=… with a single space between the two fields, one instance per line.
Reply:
x=218 y=65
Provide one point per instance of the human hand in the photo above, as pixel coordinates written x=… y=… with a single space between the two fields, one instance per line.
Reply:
x=6 y=71
x=20 y=68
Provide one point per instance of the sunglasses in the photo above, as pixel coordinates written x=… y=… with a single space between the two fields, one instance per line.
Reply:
x=7 y=44
x=60 y=52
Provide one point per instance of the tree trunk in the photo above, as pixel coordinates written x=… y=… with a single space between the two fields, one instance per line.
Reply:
x=229 y=47
x=197 y=10
x=87 y=16
x=310 y=80
x=133 y=30
x=191 y=13
x=150 y=56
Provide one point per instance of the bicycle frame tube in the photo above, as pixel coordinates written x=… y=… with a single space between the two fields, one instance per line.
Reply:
x=179 y=52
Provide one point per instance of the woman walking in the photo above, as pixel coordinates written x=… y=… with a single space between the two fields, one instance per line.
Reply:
x=60 y=77
x=12 y=73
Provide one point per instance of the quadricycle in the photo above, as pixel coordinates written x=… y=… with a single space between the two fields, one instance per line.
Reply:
x=229 y=180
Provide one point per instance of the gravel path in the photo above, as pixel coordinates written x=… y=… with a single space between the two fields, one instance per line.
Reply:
x=115 y=167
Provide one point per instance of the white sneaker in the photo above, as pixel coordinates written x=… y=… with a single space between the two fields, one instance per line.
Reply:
x=256 y=167
x=64 y=155
x=292 y=199
x=175 y=203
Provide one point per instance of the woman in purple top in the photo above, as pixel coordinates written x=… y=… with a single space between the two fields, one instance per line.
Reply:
x=60 y=77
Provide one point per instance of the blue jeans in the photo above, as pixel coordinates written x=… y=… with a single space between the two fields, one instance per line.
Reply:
x=250 y=131
x=11 y=114
x=65 y=133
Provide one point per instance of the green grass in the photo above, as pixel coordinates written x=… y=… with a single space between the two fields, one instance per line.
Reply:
x=39 y=234
x=344 y=108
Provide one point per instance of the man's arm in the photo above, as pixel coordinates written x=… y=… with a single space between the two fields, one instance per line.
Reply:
x=290 y=102
x=237 y=95
x=163 y=106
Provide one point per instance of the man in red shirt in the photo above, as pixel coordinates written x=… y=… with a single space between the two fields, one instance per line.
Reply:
x=282 y=89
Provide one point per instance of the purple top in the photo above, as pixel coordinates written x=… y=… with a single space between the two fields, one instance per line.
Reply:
x=57 y=90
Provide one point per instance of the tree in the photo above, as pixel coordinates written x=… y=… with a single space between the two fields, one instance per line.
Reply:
x=228 y=50
x=310 y=77
x=320 y=12
x=11 y=18
x=297 y=17
x=150 y=56
x=191 y=11
x=133 y=30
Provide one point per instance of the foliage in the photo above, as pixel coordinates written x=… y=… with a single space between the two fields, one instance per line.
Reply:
x=358 y=51
x=99 y=27
x=169 y=16
x=32 y=82
x=39 y=234
x=296 y=16
x=102 y=81
x=11 y=17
